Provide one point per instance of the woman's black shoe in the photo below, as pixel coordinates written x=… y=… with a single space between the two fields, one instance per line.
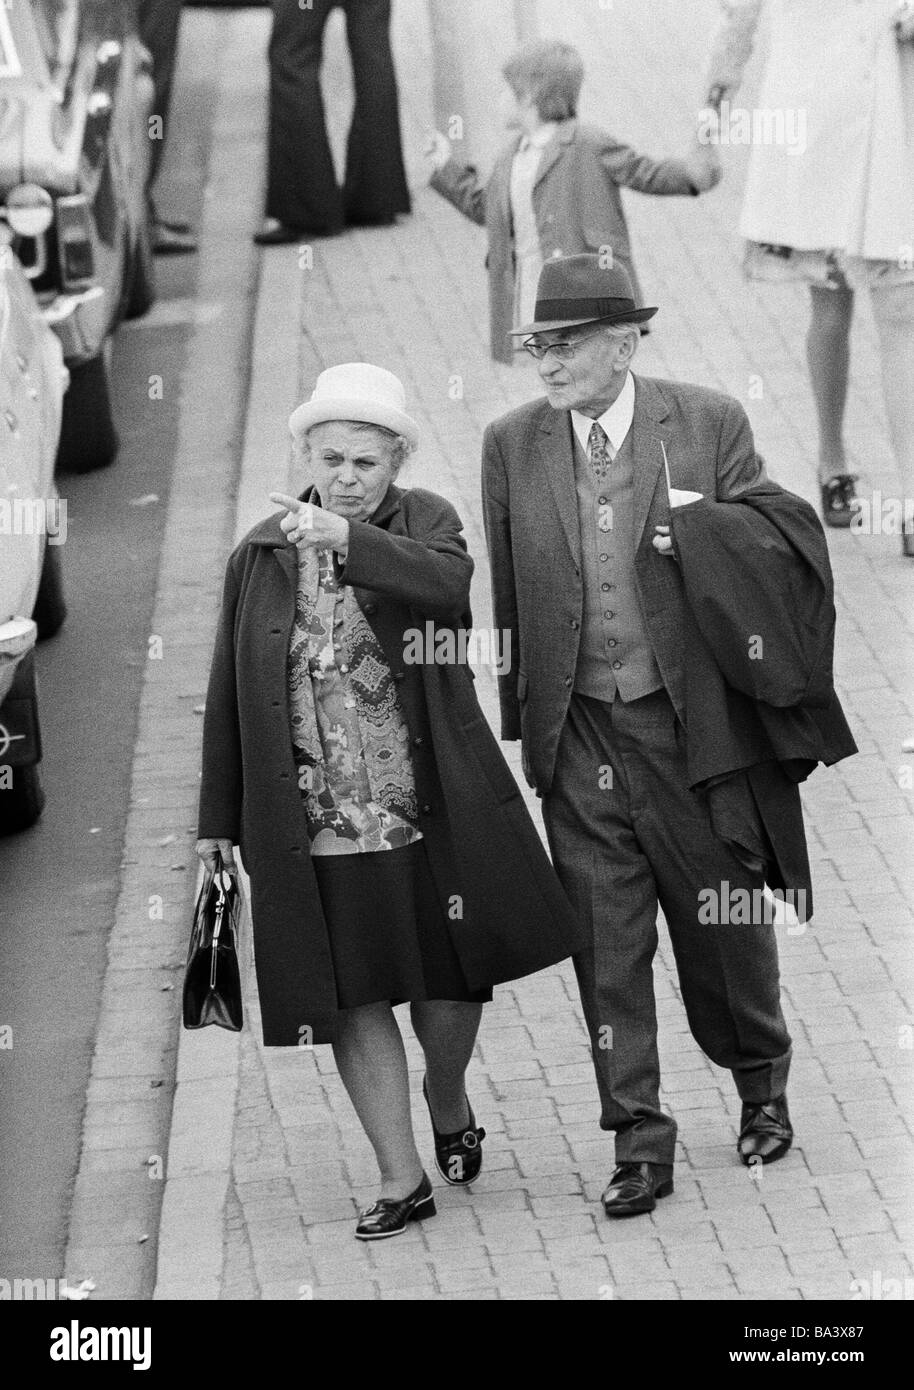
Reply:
x=388 y=1217
x=838 y=499
x=458 y=1156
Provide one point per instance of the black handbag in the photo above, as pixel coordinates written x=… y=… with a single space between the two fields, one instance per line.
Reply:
x=212 y=978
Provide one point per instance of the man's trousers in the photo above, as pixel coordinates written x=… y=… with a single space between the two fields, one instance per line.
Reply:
x=160 y=21
x=626 y=834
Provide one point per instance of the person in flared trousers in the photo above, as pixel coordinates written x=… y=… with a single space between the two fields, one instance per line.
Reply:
x=159 y=27
x=303 y=196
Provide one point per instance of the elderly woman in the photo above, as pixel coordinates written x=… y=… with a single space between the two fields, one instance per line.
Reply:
x=390 y=854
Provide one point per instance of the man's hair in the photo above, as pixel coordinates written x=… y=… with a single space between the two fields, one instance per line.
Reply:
x=609 y=330
x=620 y=330
x=400 y=447
x=550 y=73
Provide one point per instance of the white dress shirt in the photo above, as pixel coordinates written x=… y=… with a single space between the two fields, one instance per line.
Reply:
x=529 y=259
x=616 y=421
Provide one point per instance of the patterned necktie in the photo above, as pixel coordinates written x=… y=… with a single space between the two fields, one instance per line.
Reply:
x=599 y=450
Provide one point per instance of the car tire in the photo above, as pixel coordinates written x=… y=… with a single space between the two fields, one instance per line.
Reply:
x=141 y=293
x=50 y=606
x=23 y=802
x=88 y=438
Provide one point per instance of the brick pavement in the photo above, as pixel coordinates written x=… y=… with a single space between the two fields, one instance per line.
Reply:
x=839 y=1207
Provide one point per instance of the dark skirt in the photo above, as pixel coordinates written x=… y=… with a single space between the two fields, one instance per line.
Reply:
x=388 y=931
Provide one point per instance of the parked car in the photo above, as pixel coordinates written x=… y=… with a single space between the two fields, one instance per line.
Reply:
x=76 y=98
x=33 y=380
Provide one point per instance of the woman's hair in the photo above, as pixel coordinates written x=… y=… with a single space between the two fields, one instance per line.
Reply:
x=399 y=445
x=550 y=73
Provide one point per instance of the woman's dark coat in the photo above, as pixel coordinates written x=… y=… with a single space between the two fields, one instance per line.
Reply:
x=507 y=913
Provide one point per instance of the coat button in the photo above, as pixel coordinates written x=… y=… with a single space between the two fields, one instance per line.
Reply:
x=276 y=704
x=569 y=680
x=617 y=665
x=399 y=675
x=284 y=776
x=275 y=631
x=370 y=608
x=295 y=849
x=426 y=809
x=418 y=741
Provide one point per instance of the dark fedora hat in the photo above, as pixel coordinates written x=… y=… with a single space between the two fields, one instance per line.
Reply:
x=574 y=290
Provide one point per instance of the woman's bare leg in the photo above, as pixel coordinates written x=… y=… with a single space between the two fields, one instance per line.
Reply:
x=447 y=1030
x=372 y=1063
x=893 y=308
x=828 y=356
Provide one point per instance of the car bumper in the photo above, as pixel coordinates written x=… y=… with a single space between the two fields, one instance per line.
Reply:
x=80 y=322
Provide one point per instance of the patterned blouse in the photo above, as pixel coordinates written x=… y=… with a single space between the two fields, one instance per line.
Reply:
x=349 y=736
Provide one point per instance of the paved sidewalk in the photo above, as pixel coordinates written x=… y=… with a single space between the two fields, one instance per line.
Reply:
x=275 y=1164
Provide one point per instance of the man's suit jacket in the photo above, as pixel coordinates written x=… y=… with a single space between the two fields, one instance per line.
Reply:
x=533 y=536
x=576 y=201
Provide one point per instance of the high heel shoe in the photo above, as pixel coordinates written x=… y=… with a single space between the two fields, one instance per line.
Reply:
x=839 y=499
x=458 y=1156
x=389 y=1217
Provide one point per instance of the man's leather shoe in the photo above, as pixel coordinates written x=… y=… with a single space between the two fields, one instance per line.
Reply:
x=765 y=1131
x=635 y=1187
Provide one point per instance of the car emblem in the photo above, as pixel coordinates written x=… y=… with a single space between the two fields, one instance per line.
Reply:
x=6 y=738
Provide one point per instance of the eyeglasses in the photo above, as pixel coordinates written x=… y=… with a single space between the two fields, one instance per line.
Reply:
x=563 y=351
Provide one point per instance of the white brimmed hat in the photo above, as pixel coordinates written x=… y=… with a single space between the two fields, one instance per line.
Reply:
x=357 y=391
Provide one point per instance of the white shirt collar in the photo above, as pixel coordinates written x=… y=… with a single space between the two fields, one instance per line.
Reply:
x=616 y=421
x=540 y=137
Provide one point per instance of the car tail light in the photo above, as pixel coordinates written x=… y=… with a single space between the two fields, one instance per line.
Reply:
x=16 y=638
x=74 y=242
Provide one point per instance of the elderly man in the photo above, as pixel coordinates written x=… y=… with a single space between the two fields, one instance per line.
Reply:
x=667 y=770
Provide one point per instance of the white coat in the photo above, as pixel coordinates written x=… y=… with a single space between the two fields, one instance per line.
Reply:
x=852 y=188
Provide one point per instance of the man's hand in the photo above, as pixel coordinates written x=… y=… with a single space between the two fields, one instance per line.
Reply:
x=216 y=854
x=437 y=151
x=313 y=527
